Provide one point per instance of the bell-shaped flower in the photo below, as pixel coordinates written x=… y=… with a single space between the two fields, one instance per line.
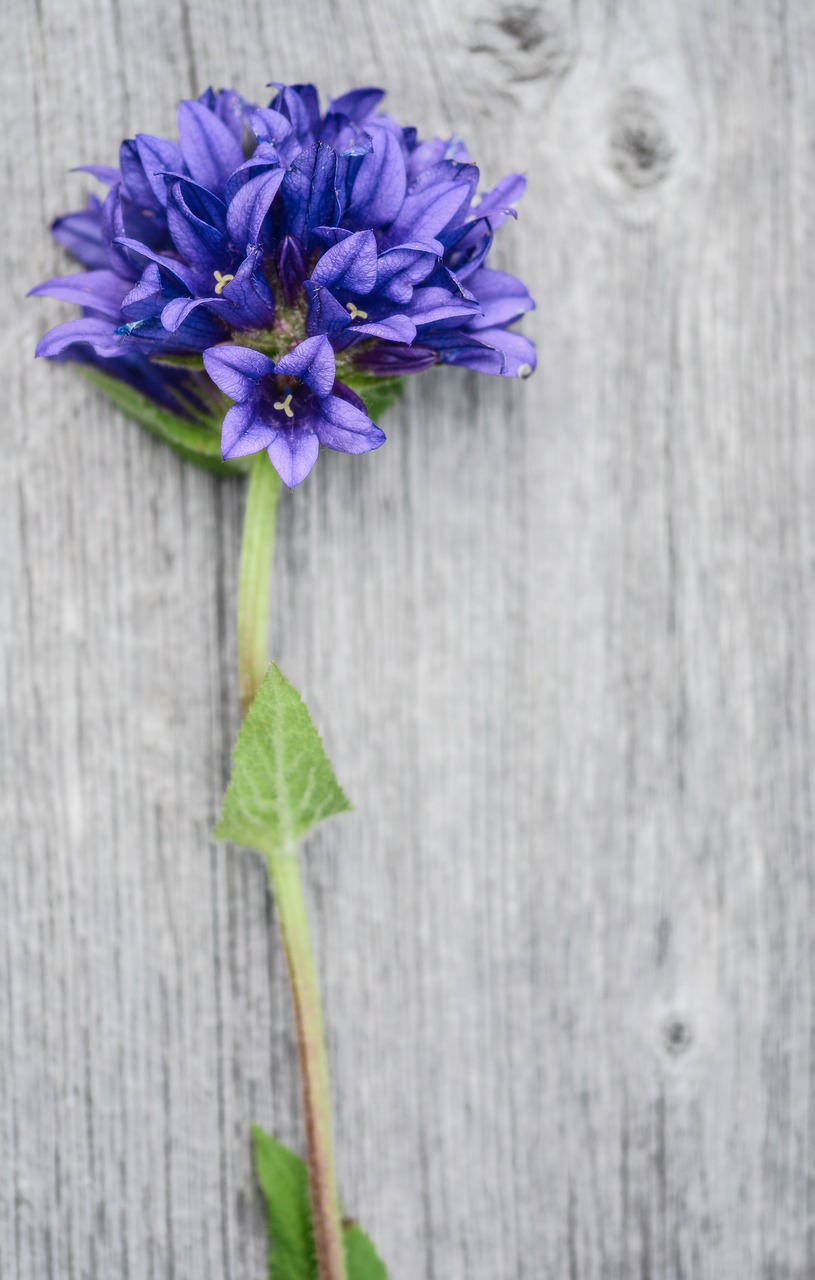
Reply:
x=289 y=408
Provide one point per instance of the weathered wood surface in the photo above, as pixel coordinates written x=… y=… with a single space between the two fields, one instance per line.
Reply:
x=559 y=636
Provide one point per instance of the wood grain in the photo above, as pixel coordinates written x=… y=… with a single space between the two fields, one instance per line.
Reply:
x=560 y=638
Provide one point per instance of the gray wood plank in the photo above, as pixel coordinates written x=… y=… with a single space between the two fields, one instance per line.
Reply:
x=560 y=639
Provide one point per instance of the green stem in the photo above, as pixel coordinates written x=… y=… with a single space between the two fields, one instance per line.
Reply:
x=287 y=888
x=257 y=550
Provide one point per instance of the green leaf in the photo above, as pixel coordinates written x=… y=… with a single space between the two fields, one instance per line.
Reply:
x=284 y=1182
x=180 y=362
x=361 y=1258
x=198 y=444
x=378 y=393
x=282 y=783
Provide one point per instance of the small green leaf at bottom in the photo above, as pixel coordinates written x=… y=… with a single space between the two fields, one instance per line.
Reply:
x=361 y=1258
x=282 y=783
x=284 y=1182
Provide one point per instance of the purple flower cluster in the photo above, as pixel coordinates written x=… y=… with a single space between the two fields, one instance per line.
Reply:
x=297 y=255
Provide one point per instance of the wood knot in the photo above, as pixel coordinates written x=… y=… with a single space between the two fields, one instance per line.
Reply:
x=677 y=1036
x=524 y=24
x=642 y=150
x=526 y=38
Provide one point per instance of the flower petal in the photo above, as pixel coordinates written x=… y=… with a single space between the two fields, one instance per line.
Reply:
x=270 y=126
x=263 y=159
x=249 y=207
x=433 y=305
x=350 y=264
x=245 y=431
x=210 y=149
x=519 y=355
x=135 y=182
x=380 y=185
x=466 y=246
x=344 y=427
x=175 y=269
x=159 y=156
x=400 y=268
x=274 y=130
x=199 y=243
x=229 y=107
x=433 y=201
x=392 y=360
x=496 y=351
x=101 y=291
x=236 y=370
x=291 y=266
x=198 y=332
x=425 y=156
x=308 y=190
x=199 y=202
x=293 y=453
x=395 y=328
x=81 y=234
x=497 y=204
x=113 y=227
x=325 y=313
x=312 y=361
x=97 y=333
x=503 y=298
x=300 y=104
x=176 y=311
x=148 y=295
x=250 y=299
x=347 y=139
x=102 y=172
x=358 y=104
x=330 y=235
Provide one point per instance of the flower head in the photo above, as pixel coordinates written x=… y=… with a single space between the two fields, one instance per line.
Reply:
x=285 y=256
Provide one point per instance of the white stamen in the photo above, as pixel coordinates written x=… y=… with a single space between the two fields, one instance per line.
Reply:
x=285 y=406
x=356 y=314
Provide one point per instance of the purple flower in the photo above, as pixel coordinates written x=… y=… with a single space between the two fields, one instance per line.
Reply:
x=289 y=408
x=298 y=254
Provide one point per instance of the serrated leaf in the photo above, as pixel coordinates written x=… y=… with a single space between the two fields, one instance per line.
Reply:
x=361 y=1258
x=283 y=1180
x=282 y=783
x=198 y=444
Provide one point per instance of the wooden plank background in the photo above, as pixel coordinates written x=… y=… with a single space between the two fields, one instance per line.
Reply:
x=560 y=639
